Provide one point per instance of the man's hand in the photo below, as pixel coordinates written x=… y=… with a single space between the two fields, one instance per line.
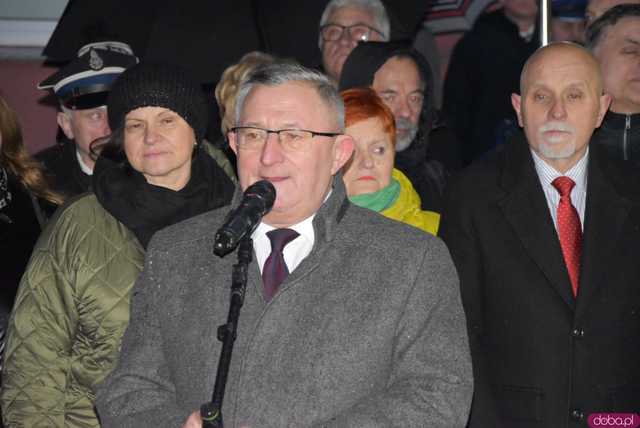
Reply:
x=194 y=420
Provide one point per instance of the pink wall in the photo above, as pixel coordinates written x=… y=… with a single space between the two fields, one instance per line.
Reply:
x=18 y=81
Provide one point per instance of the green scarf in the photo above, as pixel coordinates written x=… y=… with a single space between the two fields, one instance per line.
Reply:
x=380 y=200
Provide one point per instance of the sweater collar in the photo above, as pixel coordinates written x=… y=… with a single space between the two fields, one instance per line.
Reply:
x=619 y=120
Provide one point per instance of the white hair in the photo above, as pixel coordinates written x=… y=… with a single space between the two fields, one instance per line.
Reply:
x=68 y=111
x=375 y=7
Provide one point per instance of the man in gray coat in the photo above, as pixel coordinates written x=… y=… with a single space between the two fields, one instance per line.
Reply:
x=367 y=329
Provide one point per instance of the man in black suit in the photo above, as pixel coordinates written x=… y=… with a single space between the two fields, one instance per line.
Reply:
x=550 y=278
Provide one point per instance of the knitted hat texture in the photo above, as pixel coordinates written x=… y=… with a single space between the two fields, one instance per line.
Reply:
x=158 y=85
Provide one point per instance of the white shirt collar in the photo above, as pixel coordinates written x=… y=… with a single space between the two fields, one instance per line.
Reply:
x=83 y=166
x=578 y=172
x=294 y=252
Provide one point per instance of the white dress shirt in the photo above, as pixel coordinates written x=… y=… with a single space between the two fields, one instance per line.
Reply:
x=578 y=173
x=294 y=252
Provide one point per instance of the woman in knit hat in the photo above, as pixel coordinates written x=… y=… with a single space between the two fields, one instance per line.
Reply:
x=73 y=303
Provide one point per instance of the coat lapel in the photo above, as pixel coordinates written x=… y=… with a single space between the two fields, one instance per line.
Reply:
x=526 y=210
x=606 y=212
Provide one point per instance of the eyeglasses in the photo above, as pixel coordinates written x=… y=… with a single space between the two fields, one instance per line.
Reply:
x=357 y=32
x=251 y=138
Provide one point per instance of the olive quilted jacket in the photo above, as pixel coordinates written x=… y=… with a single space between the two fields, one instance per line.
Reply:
x=70 y=313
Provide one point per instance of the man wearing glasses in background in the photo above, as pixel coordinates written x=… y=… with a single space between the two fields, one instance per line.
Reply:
x=344 y=23
x=361 y=326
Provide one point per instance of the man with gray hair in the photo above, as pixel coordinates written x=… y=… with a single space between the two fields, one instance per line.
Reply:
x=614 y=39
x=595 y=8
x=344 y=23
x=81 y=88
x=349 y=319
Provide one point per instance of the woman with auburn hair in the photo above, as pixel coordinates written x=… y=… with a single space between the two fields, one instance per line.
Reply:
x=25 y=204
x=371 y=180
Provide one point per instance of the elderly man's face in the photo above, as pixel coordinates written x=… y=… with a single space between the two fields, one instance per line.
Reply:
x=400 y=86
x=302 y=178
x=84 y=127
x=335 y=53
x=619 y=56
x=596 y=8
x=561 y=104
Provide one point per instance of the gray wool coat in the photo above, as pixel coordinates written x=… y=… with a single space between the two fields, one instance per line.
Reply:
x=368 y=331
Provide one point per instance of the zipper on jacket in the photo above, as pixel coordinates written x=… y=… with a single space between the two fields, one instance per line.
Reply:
x=627 y=127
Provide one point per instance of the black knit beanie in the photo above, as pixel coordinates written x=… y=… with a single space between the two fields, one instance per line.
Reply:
x=149 y=84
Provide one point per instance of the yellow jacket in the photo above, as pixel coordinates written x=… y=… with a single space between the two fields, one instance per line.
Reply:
x=407 y=207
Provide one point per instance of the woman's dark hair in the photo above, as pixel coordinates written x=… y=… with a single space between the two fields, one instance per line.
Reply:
x=14 y=156
x=111 y=147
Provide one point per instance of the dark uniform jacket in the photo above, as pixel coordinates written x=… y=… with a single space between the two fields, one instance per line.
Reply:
x=62 y=169
x=542 y=358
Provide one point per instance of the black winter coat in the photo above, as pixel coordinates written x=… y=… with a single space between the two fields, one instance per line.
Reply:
x=619 y=134
x=19 y=230
x=542 y=358
x=483 y=73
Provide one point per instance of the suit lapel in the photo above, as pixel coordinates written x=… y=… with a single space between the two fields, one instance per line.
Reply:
x=526 y=210
x=605 y=214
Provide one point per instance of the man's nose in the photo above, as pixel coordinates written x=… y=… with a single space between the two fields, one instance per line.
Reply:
x=403 y=109
x=345 y=38
x=558 y=110
x=104 y=126
x=272 y=150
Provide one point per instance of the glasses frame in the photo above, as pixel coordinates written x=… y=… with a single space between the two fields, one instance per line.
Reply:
x=314 y=134
x=348 y=28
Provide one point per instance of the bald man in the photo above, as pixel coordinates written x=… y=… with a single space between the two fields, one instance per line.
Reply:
x=545 y=235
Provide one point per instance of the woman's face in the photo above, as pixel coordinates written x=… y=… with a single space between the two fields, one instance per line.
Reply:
x=369 y=170
x=159 y=144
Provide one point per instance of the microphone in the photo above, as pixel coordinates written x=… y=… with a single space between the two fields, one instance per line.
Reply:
x=257 y=201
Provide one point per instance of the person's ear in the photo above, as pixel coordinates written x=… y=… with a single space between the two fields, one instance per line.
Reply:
x=342 y=151
x=516 y=102
x=64 y=122
x=605 y=102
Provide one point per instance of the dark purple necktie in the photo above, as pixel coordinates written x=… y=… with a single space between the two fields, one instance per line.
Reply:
x=275 y=269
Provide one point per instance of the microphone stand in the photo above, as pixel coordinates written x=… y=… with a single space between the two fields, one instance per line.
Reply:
x=211 y=412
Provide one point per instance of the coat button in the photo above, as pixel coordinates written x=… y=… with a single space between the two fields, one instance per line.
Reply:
x=578 y=333
x=577 y=415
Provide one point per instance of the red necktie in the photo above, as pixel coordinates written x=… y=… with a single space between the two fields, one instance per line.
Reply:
x=275 y=269
x=569 y=230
